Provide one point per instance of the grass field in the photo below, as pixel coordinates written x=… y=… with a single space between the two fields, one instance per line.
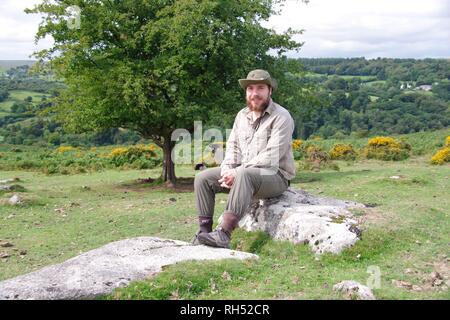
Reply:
x=405 y=231
x=17 y=96
x=372 y=83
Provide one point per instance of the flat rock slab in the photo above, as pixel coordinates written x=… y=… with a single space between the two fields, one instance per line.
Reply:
x=100 y=271
x=324 y=223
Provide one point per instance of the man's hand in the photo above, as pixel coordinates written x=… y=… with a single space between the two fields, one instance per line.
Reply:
x=227 y=178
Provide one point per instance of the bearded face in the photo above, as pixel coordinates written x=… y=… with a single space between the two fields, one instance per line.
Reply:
x=258 y=96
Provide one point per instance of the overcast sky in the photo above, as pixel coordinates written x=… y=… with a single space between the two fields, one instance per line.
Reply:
x=333 y=28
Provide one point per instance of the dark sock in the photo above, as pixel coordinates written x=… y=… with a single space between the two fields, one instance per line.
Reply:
x=229 y=222
x=205 y=223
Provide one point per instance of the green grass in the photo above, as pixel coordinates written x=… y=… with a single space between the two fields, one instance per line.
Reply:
x=375 y=83
x=362 y=78
x=5 y=106
x=17 y=96
x=65 y=215
x=422 y=92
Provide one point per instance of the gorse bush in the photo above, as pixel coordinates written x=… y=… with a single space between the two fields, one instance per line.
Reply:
x=342 y=151
x=63 y=149
x=443 y=155
x=138 y=157
x=387 y=148
x=298 y=149
x=297 y=144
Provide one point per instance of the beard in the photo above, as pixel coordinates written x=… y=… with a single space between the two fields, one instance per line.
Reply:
x=258 y=104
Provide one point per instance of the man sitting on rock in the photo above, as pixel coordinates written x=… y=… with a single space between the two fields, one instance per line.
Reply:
x=258 y=161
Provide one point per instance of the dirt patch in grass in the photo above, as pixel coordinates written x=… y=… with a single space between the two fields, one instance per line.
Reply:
x=372 y=216
x=150 y=184
x=436 y=280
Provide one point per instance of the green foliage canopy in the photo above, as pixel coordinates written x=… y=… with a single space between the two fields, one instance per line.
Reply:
x=155 y=65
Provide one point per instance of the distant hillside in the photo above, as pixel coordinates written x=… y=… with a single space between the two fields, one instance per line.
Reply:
x=8 y=64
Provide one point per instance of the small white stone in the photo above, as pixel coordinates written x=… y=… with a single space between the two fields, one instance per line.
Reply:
x=15 y=199
x=353 y=288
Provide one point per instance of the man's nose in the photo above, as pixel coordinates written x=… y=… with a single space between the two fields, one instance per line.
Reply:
x=253 y=93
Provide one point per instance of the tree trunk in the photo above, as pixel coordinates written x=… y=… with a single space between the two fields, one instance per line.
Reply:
x=168 y=173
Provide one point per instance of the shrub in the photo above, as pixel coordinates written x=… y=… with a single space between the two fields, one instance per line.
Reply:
x=317 y=157
x=387 y=148
x=342 y=151
x=63 y=149
x=296 y=144
x=441 y=156
x=145 y=157
x=298 y=149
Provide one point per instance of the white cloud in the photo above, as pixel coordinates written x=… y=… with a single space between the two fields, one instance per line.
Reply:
x=18 y=30
x=333 y=28
x=370 y=28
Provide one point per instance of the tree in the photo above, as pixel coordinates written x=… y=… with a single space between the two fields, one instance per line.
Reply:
x=442 y=90
x=19 y=107
x=4 y=94
x=154 y=66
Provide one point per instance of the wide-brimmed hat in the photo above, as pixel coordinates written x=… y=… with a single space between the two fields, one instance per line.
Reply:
x=258 y=76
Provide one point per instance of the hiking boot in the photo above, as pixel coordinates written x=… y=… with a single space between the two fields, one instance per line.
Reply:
x=194 y=240
x=219 y=238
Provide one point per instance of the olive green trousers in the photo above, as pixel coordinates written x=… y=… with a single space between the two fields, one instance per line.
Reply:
x=249 y=184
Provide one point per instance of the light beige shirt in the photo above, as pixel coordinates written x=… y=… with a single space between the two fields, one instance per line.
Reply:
x=262 y=143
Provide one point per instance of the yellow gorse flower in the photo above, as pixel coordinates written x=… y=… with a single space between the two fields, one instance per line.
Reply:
x=118 y=151
x=387 y=148
x=441 y=156
x=384 y=141
x=340 y=151
x=63 y=149
x=296 y=144
x=140 y=148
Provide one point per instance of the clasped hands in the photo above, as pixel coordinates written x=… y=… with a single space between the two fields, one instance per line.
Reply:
x=227 y=178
